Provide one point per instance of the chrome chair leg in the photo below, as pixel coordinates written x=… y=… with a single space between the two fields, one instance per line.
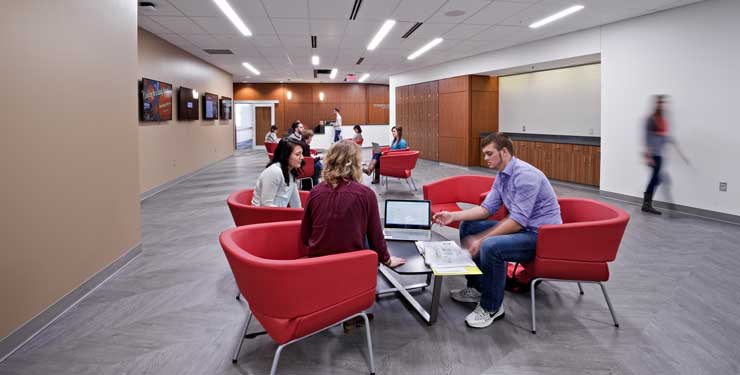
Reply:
x=580 y=289
x=531 y=293
x=414 y=183
x=276 y=359
x=369 y=343
x=609 y=303
x=241 y=338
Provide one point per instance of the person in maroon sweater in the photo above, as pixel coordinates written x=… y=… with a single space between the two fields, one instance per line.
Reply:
x=341 y=214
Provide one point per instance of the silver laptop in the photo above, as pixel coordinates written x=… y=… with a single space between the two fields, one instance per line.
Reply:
x=408 y=220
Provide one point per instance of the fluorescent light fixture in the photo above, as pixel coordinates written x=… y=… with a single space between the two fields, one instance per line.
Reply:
x=556 y=16
x=321 y=96
x=364 y=77
x=315 y=59
x=251 y=68
x=290 y=95
x=195 y=94
x=425 y=48
x=233 y=17
x=384 y=30
x=333 y=73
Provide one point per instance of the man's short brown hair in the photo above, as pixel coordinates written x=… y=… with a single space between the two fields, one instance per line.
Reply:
x=500 y=141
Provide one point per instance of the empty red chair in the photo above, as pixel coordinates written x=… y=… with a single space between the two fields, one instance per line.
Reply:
x=445 y=194
x=292 y=296
x=271 y=147
x=579 y=249
x=244 y=213
x=399 y=164
x=306 y=172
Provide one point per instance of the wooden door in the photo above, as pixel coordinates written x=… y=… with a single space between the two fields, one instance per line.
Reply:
x=263 y=121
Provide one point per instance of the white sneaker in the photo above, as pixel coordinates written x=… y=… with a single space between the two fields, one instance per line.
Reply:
x=481 y=318
x=465 y=295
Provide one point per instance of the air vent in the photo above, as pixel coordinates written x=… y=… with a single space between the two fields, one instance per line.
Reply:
x=316 y=72
x=360 y=60
x=218 y=51
x=355 y=9
x=411 y=30
x=313 y=41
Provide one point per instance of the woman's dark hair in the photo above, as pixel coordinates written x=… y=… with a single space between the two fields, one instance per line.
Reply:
x=282 y=153
x=273 y=128
x=358 y=128
x=399 y=131
x=294 y=126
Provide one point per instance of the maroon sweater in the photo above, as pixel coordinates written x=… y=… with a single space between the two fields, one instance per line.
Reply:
x=337 y=220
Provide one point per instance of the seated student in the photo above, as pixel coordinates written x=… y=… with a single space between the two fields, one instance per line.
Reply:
x=317 y=166
x=296 y=131
x=398 y=144
x=358 y=135
x=341 y=214
x=276 y=185
x=271 y=136
x=531 y=201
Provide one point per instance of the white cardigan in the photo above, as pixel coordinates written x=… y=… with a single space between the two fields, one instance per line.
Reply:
x=271 y=190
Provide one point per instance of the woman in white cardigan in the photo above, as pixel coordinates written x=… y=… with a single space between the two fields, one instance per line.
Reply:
x=276 y=185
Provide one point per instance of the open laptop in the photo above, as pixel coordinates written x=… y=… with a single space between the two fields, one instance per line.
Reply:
x=408 y=220
x=376 y=148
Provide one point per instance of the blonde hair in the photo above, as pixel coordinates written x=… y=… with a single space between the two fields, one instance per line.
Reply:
x=342 y=163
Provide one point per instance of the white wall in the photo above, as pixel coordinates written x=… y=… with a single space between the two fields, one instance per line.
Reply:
x=370 y=133
x=690 y=53
x=562 y=101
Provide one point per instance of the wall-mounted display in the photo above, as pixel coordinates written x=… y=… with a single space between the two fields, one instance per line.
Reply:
x=225 y=108
x=155 y=102
x=210 y=106
x=187 y=104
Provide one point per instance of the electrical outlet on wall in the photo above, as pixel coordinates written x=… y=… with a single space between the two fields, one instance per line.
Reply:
x=524 y=128
x=722 y=186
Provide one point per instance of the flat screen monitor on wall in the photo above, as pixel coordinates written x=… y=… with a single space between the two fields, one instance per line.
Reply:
x=187 y=104
x=155 y=102
x=225 y=106
x=210 y=106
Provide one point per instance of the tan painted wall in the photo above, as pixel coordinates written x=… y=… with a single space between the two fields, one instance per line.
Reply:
x=170 y=149
x=68 y=148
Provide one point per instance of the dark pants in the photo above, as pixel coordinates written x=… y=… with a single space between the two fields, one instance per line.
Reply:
x=495 y=253
x=655 y=177
x=337 y=134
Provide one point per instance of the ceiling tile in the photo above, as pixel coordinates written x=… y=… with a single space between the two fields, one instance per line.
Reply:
x=163 y=9
x=328 y=27
x=416 y=10
x=429 y=31
x=271 y=51
x=152 y=26
x=180 y=25
x=215 y=25
x=176 y=39
x=467 y=7
x=197 y=8
x=496 y=12
x=288 y=26
x=294 y=41
x=463 y=31
x=378 y=10
x=287 y=8
x=203 y=41
x=266 y=41
x=331 y=9
x=494 y=33
x=259 y=25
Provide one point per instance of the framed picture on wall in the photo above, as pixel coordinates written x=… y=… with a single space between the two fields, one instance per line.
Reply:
x=225 y=108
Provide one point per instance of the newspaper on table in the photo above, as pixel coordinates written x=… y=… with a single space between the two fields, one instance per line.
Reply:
x=447 y=258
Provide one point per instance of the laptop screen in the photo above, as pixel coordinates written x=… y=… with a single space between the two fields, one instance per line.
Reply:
x=408 y=214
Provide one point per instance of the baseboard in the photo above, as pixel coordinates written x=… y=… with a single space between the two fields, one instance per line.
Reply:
x=158 y=189
x=693 y=211
x=23 y=334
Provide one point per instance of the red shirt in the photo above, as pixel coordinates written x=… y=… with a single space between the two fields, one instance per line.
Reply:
x=338 y=220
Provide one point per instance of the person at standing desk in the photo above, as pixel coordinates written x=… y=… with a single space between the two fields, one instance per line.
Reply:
x=341 y=214
x=337 y=125
x=276 y=185
x=531 y=201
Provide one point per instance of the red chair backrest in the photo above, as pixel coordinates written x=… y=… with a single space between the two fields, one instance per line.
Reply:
x=244 y=213
x=308 y=168
x=270 y=156
x=313 y=152
x=465 y=188
x=359 y=141
x=270 y=147
x=398 y=161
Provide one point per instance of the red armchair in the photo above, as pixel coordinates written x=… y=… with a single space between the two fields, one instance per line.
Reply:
x=579 y=249
x=399 y=164
x=294 y=297
x=306 y=172
x=386 y=149
x=244 y=213
x=271 y=147
x=445 y=194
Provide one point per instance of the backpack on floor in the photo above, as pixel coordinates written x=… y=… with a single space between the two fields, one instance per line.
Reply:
x=517 y=278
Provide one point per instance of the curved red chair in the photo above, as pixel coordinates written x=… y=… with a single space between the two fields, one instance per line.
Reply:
x=270 y=155
x=398 y=164
x=579 y=249
x=386 y=149
x=359 y=141
x=292 y=296
x=313 y=152
x=244 y=213
x=271 y=147
x=306 y=172
x=445 y=194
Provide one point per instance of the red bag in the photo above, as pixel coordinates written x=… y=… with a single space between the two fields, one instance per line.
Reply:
x=517 y=278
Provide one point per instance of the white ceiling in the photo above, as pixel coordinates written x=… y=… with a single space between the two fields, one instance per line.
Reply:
x=280 y=46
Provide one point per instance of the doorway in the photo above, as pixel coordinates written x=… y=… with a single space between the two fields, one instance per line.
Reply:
x=244 y=123
x=252 y=120
x=263 y=119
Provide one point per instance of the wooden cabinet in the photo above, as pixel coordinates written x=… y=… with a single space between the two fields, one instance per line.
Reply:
x=560 y=161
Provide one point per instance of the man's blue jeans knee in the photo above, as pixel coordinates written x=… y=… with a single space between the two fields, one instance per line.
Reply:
x=495 y=253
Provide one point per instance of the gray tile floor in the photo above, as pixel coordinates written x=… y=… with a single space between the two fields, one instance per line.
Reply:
x=172 y=310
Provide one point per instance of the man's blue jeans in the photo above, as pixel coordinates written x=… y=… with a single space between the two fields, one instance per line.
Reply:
x=495 y=253
x=337 y=134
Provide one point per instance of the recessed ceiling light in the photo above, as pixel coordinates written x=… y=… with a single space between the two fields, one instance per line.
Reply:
x=315 y=59
x=556 y=16
x=384 y=30
x=425 y=48
x=364 y=77
x=333 y=73
x=251 y=68
x=233 y=17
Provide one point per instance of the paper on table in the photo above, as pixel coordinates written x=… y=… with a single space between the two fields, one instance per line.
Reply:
x=444 y=254
x=451 y=271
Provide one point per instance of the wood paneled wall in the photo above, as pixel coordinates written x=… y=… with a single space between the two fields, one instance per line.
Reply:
x=443 y=119
x=362 y=104
x=559 y=161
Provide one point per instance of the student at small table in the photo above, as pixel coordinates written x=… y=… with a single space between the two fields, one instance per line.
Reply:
x=398 y=144
x=276 y=185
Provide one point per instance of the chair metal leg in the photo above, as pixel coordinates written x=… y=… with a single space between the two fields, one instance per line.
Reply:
x=369 y=343
x=580 y=289
x=241 y=337
x=414 y=183
x=238 y=295
x=276 y=359
x=531 y=292
x=408 y=183
x=609 y=303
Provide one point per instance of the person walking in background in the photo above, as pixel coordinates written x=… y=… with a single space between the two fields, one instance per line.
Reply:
x=656 y=136
x=337 y=125
x=271 y=136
